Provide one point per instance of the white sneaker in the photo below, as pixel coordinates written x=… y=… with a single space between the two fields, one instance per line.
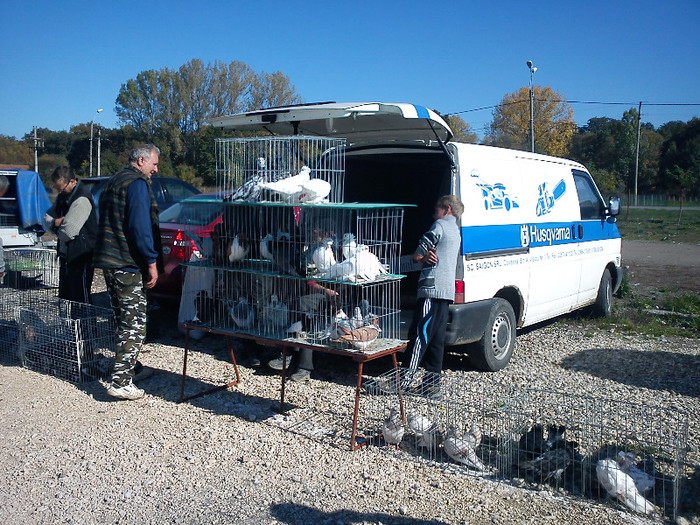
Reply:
x=130 y=391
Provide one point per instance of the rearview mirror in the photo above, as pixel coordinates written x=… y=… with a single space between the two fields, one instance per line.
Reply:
x=614 y=206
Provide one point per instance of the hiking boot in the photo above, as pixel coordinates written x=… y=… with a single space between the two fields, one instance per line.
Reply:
x=276 y=364
x=301 y=375
x=130 y=391
x=142 y=372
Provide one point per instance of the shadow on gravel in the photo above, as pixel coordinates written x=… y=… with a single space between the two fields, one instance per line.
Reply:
x=293 y=513
x=678 y=373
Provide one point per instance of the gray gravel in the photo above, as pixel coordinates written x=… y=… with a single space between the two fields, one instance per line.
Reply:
x=71 y=454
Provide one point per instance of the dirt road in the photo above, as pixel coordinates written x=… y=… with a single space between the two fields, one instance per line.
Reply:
x=663 y=265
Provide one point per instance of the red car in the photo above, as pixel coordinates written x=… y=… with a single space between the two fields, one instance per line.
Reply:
x=183 y=227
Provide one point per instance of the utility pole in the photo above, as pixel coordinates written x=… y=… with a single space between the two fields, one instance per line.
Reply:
x=99 y=136
x=38 y=143
x=532 y=106
x=636 y=156
x=92 y=123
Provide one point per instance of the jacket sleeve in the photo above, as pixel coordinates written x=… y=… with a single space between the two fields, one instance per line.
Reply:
x=139 y=220
x=430 y=239
x=75 y=219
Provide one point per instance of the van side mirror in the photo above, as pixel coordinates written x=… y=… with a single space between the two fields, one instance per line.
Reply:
x=614 y=206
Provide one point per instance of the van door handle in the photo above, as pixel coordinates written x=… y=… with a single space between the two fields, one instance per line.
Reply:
x=580 y=231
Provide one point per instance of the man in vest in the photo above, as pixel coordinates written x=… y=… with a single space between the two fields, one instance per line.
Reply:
x=129 y=252
x=72 y=218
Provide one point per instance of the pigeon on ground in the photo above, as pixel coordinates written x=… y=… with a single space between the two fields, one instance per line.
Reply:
x=275 y=314
x=628 y=464
x=621 y=486
x=238 y=248
x=393 y=429
x=424 y=429
x=462 y=449
x=242 y=313
x=323 y=256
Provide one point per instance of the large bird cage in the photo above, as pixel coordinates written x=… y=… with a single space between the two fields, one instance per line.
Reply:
x=436 y=410
x=249 y=169
x=562 y=438
x=317 y=274
x=31 y=281
x=66 y=339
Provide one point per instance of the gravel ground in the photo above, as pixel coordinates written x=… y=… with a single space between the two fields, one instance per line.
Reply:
x=71 y=454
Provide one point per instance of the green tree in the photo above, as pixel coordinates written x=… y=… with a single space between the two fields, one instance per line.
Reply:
x=553 y=122
x=15 y=152
x=680 y=157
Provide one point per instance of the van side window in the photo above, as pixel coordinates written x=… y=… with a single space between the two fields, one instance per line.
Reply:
x=588 y=198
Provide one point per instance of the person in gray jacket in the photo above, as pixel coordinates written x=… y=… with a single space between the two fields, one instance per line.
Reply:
x=438 y=250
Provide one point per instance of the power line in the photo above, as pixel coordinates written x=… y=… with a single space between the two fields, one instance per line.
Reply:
x=631 y=104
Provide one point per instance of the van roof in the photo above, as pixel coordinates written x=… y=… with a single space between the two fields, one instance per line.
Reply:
x=360 y=123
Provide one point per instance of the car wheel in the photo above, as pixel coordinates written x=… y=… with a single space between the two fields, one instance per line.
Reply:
x=494 y=350
x=603 y=303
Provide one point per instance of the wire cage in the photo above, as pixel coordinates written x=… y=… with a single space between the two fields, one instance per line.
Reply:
x=66 y=339
x=454 y=421
x=11 y=302
x=261 y=168
x=31 y=268
x=341 y=242
x=268 y=305
x=579 y=444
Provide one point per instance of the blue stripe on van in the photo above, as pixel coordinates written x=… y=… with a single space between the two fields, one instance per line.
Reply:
x=421 y=111
x=504 y=237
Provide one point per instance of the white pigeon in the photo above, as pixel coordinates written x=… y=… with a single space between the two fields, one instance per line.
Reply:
x=238 y=248
x=334 y=329
x=367 y=265
x=628 y=464
x=621 y=486
x=291 y=187
x=422 y=427
x=462 y=449
x=323 y=256
x=276 y=314
x=393 y=429
x=357 y=319
x=296 y=328
x=314 y=191
x=349 y=246
x=242 y=313
x=342 y=271
x=265 y=252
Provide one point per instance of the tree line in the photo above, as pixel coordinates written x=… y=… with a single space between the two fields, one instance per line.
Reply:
x=171 y=108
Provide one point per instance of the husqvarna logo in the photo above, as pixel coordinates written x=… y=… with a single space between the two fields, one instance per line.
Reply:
x=524 y=236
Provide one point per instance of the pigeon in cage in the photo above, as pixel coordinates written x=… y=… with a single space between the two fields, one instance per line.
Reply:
x=349 y=246
x=205 y=307
x=393 y=428
x=344 y=271
x=462 y=448
x=323 y=256
x=361 y=337
x=620 y=485
x=283 y=252
x=238 y=248
x=424 y=428
x=545 y=458
x=242 y=313
x=289 y=188
x=275 y=314
x=367 y=265
x=643 y=480
x=314 y=191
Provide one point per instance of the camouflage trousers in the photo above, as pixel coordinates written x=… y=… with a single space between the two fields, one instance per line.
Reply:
x=127 y=296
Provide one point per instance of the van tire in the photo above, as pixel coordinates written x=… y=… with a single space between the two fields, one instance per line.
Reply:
x=603 y=303
x=494 y=350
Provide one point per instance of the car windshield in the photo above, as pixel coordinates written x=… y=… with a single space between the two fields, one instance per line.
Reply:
x=199 y=214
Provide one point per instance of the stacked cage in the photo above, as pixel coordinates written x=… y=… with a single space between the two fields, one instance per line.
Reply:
x=31 y=281
x=69 y=340
x=316 y=274
x=288 y=260
x=458 y=422
x=631 y=455
x=287 y=169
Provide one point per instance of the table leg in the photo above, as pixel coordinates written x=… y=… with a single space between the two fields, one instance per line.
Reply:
x=184 y=365
x=358 y=390
x=284 y=378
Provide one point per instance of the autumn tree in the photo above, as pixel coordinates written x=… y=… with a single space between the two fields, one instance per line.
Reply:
x=463 y=132
x=553 y=122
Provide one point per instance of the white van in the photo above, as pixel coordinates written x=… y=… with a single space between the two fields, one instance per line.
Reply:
x=538 y=240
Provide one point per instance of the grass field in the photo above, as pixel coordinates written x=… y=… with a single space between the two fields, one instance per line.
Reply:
x=660 y=224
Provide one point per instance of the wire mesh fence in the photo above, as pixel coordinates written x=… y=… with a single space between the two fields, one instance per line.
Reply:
x=632 y=456
x=69 y=340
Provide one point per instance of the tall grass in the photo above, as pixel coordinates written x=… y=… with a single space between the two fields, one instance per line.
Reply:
x=660 y=225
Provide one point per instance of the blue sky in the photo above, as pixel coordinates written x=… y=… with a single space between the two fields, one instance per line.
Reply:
x=61 y=61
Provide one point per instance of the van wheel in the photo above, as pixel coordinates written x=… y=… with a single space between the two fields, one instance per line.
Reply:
x=603 y=303
x=495 y=348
